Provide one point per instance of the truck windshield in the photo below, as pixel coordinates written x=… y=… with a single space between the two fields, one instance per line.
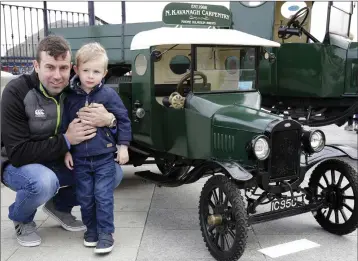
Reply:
x=226 y=69
x=340 y=18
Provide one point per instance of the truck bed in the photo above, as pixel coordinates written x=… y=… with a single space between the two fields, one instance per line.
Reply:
x=115 y=38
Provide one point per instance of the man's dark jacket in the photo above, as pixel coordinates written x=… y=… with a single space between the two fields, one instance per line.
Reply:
x=30 y=121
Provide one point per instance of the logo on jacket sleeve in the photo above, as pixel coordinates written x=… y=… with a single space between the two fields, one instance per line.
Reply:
x=40 y=113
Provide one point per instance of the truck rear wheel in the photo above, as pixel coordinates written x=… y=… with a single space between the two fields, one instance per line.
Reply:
x=223 y=219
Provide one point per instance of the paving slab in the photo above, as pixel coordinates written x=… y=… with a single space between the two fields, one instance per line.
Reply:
x=248 y=255
x=172 y=219
x=332 y=247
x=179 y=197
x=73 y=253
x=182 y=245
x=303 y=224
x=8 y=248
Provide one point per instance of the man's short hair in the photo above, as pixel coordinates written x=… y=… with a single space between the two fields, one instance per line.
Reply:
x=53 y=45
x=90 y=52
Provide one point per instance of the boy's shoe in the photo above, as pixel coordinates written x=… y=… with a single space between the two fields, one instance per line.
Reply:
x=348 y=127
x=66 y=220
x=105 y=244
x=26 y=234
x=90 y=239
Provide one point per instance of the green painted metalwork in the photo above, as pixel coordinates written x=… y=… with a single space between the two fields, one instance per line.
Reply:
x=109 y=35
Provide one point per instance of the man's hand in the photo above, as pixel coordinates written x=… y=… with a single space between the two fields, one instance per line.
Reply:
x=122 y=154
x=69 y=161
x=95 y=115
x=78 y=132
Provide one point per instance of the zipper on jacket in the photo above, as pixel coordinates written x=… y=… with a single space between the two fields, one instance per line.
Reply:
x=58 y=107
x=86 y=104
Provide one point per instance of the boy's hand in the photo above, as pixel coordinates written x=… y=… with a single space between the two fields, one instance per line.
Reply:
x=122 y=154
x=69 y=161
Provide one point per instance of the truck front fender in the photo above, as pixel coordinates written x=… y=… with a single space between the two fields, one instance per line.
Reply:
x=235 y=170
x=328 y=152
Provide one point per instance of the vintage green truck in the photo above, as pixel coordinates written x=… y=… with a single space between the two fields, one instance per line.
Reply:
x=313 y=81
x=194 y=101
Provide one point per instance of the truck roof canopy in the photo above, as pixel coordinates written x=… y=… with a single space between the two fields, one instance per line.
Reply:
x=171 y=35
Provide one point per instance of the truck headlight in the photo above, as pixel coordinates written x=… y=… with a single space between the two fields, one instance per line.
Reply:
x=260 y=147
x=313 y=141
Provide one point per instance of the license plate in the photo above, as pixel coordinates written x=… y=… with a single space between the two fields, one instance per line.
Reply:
x=285 y=203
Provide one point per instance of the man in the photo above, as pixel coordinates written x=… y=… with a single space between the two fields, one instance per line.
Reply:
x=34 y=164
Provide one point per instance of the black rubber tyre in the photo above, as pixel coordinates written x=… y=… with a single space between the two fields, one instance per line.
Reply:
x=335 y=194
x=234 y=219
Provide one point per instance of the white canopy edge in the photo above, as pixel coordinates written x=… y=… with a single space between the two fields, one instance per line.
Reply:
x=171 y=35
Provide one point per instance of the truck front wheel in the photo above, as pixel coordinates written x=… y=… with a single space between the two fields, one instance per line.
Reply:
x=223 y=219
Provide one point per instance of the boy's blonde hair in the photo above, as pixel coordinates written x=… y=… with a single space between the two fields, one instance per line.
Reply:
x=90 y=52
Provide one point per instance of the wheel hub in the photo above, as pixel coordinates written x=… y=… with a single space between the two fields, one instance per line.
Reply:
x=215 y=220
x=220 y=217
x=334 y=197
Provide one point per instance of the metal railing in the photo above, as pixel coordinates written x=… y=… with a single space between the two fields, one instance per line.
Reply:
x=23 y=27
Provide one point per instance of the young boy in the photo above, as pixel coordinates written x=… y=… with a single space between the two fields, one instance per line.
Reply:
x=93 y=161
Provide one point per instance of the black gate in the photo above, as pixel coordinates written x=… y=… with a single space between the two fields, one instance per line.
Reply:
x=23 y=27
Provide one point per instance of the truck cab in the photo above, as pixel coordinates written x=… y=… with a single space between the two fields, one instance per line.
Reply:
x=185 y=81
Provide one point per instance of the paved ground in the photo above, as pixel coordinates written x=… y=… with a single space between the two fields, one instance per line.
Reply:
x=157 y=224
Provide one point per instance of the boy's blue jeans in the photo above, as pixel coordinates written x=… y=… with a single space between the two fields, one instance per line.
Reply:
x=95 y=176
x=35 y=184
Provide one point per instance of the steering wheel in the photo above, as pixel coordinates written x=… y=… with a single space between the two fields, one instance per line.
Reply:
x=294 y=21
x=186 y=77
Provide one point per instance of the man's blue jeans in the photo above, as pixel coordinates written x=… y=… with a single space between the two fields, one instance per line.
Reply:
x=35 y=184
x=94 y=182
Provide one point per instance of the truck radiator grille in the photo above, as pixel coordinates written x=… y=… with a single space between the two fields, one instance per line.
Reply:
x=223 y=142
x=285 y=154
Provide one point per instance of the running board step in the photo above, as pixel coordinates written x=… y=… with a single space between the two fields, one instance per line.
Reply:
x=159 y=179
